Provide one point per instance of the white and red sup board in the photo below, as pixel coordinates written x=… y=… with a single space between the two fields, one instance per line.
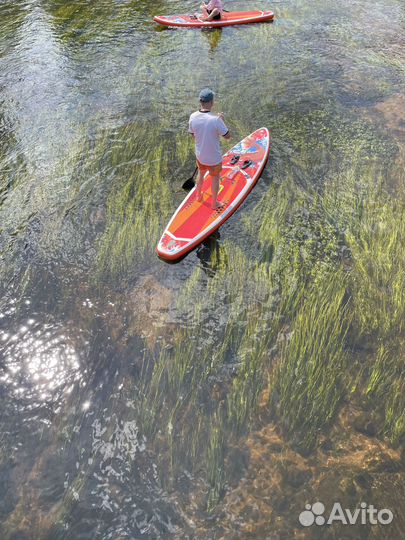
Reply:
x=227 y=19
x=195 y=220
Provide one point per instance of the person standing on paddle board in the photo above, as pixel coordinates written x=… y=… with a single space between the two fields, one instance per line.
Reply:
x=207 y=128
x=212 y=11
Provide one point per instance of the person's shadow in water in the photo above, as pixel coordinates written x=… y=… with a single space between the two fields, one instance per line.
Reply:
x=208 y=252
x=213 y=36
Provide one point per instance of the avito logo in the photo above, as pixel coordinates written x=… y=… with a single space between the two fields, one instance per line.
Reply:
x=366 y=514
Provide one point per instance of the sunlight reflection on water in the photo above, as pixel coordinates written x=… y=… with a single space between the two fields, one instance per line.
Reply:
x=39 y=362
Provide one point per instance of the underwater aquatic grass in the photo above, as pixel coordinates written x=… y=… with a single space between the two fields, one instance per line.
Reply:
x=135 y=210
x=32 y=194
x=378 y=274
x=214 y=460
x=73 y=20
x=367 y=207
x=308 y=383
x=184 y=375
x=377 y=281
x=249 y=382
x=386 y=390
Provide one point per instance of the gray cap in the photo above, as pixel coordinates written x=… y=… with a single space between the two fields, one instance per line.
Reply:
x=206 y=95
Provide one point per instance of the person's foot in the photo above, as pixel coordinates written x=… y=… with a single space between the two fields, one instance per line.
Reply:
x=218 y=205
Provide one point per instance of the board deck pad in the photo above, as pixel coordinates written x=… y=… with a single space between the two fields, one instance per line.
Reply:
x=194 y=220
x=227 y=19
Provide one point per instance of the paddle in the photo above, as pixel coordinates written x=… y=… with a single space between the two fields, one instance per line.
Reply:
x=189 y=183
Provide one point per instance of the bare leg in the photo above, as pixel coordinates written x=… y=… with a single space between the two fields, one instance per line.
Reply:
x=204 y=15
x=200 y=179
x=209 y=17
x=215 y=188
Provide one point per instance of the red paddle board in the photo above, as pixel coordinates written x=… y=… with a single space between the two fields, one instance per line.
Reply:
x=227 y=19
x=193 y=221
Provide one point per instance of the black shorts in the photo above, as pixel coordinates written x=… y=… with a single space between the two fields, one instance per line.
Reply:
x=216 y=17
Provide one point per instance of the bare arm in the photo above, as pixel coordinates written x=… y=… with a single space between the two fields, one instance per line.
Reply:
x=227 y=135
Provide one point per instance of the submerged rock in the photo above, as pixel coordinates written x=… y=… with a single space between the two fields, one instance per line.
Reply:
x=277 y=483
x=393 y=112
x=147 y=309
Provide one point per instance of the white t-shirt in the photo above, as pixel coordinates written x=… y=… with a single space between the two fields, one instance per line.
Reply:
x=207 y=128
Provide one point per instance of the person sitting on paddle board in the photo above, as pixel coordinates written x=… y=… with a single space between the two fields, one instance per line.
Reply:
x=207 y=128
x=212 y=11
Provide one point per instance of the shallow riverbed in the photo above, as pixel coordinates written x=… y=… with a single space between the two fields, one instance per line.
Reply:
x=214 y=398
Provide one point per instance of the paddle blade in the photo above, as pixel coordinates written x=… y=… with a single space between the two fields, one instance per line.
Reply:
x=189 y=183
